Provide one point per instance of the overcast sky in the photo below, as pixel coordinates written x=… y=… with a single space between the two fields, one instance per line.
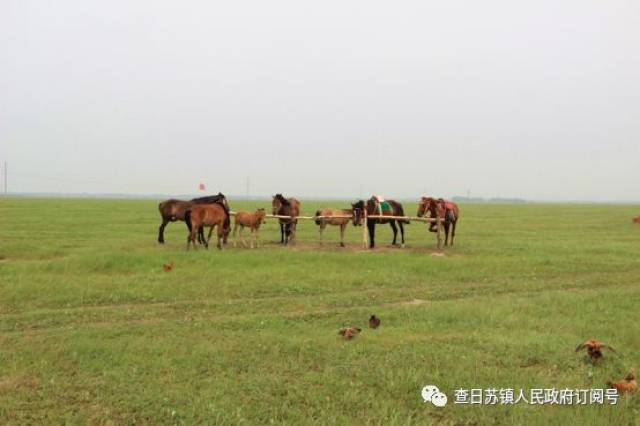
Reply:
x=537 y=99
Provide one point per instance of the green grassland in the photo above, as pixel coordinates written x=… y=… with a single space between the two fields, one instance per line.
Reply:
x=92 y=330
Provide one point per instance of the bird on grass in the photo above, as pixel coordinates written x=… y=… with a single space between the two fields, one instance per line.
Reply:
x=167 y=267
x=594 y=349
x=374 y=322
x=627 y=385
x=349 y=332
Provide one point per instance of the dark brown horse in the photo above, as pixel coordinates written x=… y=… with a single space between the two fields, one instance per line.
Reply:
x=375 y=207
x=173 y=210
x=211 y=215
x=444 y=209
x=286 y=207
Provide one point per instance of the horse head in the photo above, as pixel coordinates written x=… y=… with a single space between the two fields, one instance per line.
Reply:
x=357 y=213
x=276 y=203
x=422 y=206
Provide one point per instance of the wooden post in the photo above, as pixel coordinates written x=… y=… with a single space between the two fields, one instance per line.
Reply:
x=365 y=232
x=440 y=232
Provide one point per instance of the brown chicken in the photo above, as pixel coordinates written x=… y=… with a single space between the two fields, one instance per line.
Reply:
x=167 y=267
x=594 y=349
x=349 y=332
x=374 y=322
x=627 y=385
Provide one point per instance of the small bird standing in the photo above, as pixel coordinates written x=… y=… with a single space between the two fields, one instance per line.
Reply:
x=349 y=332
x=594 y=349
x=167 y=267
x=627 y=385
x=374 y=322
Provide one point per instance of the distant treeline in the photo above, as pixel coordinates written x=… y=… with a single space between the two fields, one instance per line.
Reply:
x=461 y=199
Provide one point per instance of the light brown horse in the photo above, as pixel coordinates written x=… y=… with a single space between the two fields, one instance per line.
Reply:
x=342 y=222
x=250 y=220
x=444 y=209
x=211 y=215
x=286 y=207
x=173 y=210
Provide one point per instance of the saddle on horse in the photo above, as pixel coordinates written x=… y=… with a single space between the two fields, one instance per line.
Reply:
x=383 y=208
x=444 y=206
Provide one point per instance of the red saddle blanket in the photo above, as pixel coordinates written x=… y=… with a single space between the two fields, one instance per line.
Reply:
x=448 y=204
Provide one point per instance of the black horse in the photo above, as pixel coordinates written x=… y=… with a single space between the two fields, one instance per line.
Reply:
x=373 y=207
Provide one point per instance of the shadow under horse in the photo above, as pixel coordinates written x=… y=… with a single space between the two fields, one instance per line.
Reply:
x=374 y=207
x=173 y=210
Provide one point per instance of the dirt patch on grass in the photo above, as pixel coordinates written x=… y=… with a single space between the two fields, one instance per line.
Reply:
x=350 y=248
x=13 y=383
x=413 y=302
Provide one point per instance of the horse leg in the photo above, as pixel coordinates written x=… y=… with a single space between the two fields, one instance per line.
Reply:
x=446 y=232
x=287 y=233
x=244 y=242
x=161 y=230
x=401 y=232
x=257 y=229
x=201 y=235
x=342 y=228
x=395 y=231
x=453 y=231
x=372 y=233
x=321 y=231
x=253 y=236
x=220 y=235
x=281 y=233
x=294 y=225
x=235 y=234
x=206 y=242
x=191 y=238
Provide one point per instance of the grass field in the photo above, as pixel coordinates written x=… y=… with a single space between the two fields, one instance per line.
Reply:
x=93 y=331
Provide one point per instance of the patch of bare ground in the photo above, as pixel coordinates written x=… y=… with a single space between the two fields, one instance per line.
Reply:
x=349 y=248
x=14 y=383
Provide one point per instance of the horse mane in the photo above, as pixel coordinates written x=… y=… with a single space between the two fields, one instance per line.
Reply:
x=282 y=200
x=209 y=199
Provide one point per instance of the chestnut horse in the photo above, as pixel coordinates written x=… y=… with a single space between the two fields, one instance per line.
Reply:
x=250 y=220
x=211 y=215
x=447 y=210
x=372 y=207
x=342 y=222
x=172 y=210
x=286 y=207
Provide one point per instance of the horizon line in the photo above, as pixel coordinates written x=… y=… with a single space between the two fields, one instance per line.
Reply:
x=461 y=198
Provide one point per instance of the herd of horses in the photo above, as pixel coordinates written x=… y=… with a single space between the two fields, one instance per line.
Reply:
x=213 y=212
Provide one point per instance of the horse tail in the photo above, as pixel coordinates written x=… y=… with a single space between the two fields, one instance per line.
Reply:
x=318 y=213
x=187 y=219
x=227 y=223
x=450 y=216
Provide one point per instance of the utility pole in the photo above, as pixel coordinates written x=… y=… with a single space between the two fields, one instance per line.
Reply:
x=248 y=186
x=5 y=179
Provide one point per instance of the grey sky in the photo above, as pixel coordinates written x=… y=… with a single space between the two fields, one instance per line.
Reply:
x=537 y=99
